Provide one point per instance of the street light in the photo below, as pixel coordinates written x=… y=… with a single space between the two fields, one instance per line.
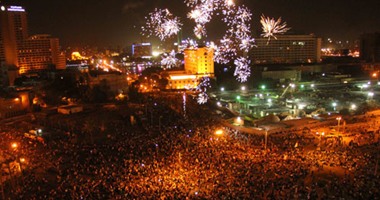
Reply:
x=266 y=138
x=14 y=145
x=370 y=95
x=219 y=132
x=338 y=118
x=222 y=89
x=334 y=104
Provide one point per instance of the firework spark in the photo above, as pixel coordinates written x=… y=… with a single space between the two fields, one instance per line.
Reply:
x=242 y=70
x=169 y=60
x=202 y=96
x=236 y=41
x=161 y=23
x=271 y=27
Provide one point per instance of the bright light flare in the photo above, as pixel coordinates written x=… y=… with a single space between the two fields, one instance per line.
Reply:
x=219 y=132
x=14 y=145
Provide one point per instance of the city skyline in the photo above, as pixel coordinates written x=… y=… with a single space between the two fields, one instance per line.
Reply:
x=118 y=23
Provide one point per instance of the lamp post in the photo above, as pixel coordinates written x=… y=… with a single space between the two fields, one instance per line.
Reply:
x=219 y=132
x=266 y=139
x=338 y=118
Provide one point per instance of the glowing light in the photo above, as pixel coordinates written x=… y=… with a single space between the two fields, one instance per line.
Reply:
x=219 y=132
x=301 y=106
x=155 y=53
x=14 y=145
x=2 y=8
x=182 y=77
x=22 y=160
x=15 y=9
x=271 y=27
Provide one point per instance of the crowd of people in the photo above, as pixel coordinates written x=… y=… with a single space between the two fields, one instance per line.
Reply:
x=183 y=158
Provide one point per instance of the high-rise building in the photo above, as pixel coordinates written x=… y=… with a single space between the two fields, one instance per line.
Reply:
x=199 y=61
x=28 y=54
x=370 y=47
x=14 y=30
x=40 y=52
x=289 y=49
x=142 y=50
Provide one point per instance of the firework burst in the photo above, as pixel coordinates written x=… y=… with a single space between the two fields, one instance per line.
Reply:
x=242 y=70
x=169 y=60
x=236 y=41
x=202 y=96
x=161 y=23
x=272 y=27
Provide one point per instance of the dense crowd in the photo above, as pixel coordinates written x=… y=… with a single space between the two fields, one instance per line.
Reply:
x=184 y=159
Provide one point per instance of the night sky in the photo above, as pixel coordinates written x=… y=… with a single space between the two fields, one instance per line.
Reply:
x=117 y=22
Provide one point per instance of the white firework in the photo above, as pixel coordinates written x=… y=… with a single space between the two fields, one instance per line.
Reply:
x=202 y=87
x=169 y=60
x=236 y=41
x=161 y=23
x=242 y=70
x=272 y=27
x=199 y=31
x=202 y=98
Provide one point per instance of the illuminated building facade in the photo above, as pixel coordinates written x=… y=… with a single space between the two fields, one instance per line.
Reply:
x=289 y=49
x=28 y=54
x=39 y=52
x=142 y=50
x=199 y=63
x=14 y=30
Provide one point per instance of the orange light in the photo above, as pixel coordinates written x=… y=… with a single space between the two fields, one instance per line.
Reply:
x=338 y=118
x=14 y=145
x=374 y=75
x=22 y=160
x=219 y=132
x=182 y=77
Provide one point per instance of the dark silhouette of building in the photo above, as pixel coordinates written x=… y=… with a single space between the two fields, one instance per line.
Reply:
x=370 y=47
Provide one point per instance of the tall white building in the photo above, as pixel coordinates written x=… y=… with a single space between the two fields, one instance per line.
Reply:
x=287 y=49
